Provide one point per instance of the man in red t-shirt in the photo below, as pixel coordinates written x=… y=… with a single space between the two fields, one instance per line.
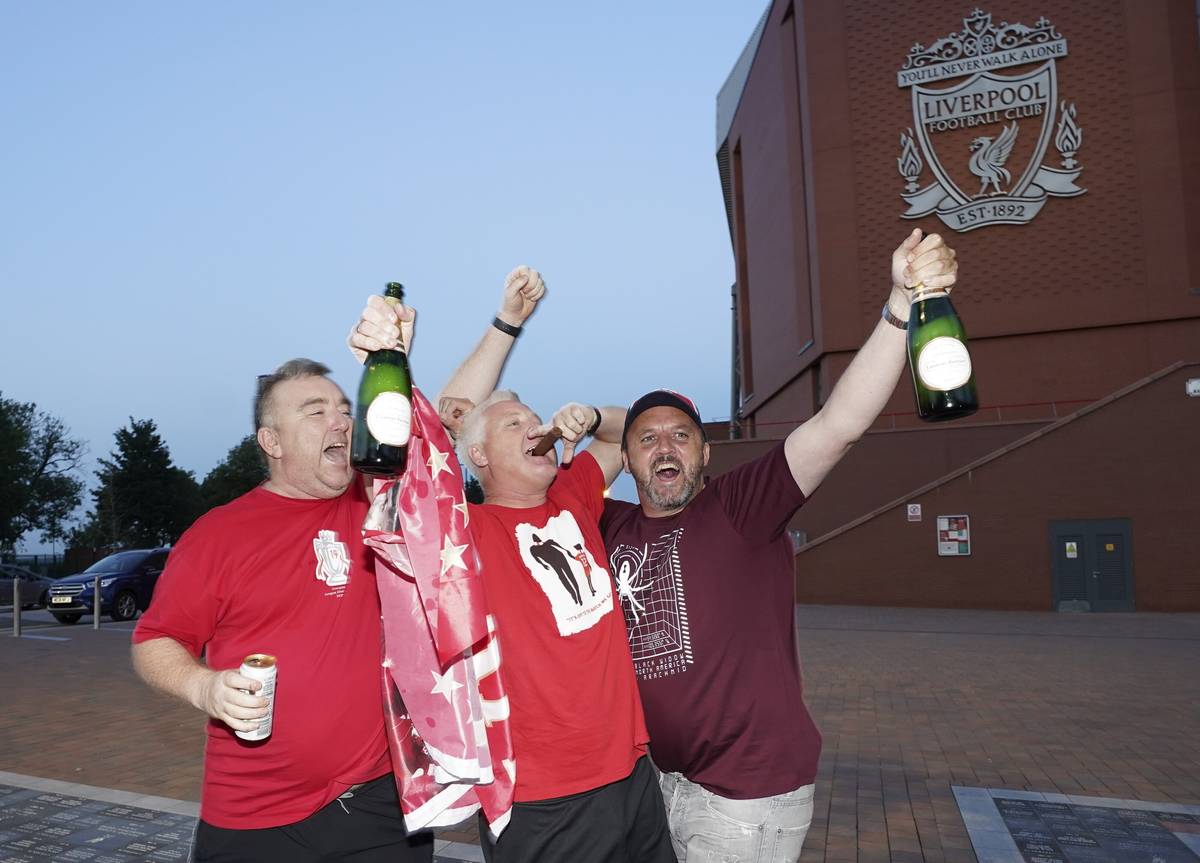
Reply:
x=705 y=577
x=584 y=790
x=283 y=571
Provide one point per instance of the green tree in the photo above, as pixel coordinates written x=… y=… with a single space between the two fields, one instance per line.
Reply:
x=472 y=490
x=38 y=460
x=142 y=499
x=242 y=469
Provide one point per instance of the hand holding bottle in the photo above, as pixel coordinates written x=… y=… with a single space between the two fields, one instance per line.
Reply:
x=383 y=411
x=382 y=326
x=920 y=260
x=923 y=273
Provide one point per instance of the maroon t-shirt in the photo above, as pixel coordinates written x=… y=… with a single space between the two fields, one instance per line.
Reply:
x=709 y=606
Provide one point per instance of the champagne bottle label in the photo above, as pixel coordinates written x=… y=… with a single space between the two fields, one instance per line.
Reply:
x=944 y=364
x=389 y=418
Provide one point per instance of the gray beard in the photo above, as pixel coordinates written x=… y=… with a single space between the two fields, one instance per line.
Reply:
x=672 y=501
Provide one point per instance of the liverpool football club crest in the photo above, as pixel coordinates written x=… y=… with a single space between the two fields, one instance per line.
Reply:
x=984 y=135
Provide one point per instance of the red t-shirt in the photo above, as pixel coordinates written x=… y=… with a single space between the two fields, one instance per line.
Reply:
x=709 y=601
x=290 y=578
x=576 y=718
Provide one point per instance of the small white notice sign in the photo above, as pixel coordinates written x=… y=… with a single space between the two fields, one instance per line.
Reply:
x=954 y=535
x=914 y=512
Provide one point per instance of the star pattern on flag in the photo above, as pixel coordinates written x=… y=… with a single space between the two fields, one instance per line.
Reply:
x=452 y=555
x=445 y=684
x=441 y=641
x=438 y=461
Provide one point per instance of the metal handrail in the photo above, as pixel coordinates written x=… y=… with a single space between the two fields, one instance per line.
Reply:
x=1053 y=408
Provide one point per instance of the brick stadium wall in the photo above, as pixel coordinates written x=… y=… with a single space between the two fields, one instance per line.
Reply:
x=1096 y=292
x=902 y=453
x=1081 y=261
x=882 y=467
x=818 y=127
x=1133 y=458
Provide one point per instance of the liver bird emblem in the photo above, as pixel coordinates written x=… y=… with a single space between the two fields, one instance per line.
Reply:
x=989 y=156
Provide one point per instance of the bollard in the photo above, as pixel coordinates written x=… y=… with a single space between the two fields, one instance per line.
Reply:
x=96 y=603
x=16 y=607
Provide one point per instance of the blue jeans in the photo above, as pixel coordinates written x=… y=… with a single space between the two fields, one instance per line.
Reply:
x=707 y=828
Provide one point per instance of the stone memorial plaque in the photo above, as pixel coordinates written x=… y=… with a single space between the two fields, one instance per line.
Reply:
x=1104 y=831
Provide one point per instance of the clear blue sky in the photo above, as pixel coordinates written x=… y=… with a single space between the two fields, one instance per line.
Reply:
x=197 y=192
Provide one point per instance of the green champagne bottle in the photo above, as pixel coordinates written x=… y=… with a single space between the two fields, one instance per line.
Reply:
x=383 y=414
x=937 y=354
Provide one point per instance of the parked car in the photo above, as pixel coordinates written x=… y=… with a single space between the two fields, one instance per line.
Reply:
x=33 y=586
x=127 y=580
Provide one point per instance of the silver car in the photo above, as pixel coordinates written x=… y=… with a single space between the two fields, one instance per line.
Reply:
x=34 y=587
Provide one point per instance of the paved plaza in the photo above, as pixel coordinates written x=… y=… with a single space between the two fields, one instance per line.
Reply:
x=924 y=712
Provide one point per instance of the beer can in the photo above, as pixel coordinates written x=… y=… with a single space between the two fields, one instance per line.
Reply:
x=260 y=666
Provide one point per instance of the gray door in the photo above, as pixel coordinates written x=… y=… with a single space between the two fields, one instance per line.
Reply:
x=1092 y=565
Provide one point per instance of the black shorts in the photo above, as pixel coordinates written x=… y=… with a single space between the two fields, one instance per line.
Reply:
x=364 y=827
x=623 y=822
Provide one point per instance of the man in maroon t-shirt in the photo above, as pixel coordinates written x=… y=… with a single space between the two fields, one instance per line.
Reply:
x=283 y=571
x=705 y=579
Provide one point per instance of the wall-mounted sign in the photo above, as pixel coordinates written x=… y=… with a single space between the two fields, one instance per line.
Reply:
x=1072 y=550
x=982 y=134
x=914 y=512
x=954 y=535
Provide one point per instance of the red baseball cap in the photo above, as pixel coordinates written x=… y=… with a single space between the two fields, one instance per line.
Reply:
x=662 y=399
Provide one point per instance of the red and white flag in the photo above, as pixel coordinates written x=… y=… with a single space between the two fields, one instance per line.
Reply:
x=447 y=709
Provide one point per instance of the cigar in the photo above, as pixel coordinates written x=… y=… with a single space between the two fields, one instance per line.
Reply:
x=547 y=442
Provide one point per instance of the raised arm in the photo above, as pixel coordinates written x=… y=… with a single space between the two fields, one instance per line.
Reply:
x=862 y=391
x=383 y=325
x=475 y=379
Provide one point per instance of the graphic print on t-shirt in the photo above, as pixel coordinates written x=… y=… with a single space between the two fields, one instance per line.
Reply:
x=333 y=561
x=577 y=586
x=650 y=586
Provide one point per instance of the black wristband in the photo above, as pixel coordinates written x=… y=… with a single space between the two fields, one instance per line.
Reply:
x=596 y=422
x=507 y=329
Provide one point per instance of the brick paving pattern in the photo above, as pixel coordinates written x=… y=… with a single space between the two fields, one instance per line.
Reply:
x=911 y=703
x=914 y=701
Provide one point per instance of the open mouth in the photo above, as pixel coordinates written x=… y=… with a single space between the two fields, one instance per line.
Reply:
x=667 y=471
x=336 y=452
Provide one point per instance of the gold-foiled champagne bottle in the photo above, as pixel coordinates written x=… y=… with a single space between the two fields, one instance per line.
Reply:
x=383 y=413
x=938 y=357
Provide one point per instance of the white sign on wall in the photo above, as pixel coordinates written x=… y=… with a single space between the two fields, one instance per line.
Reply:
x=954 y=535
x=983 y=135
